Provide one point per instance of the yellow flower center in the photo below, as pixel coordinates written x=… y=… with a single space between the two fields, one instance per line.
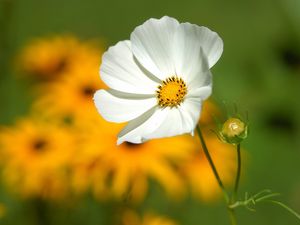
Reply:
x=171 y=92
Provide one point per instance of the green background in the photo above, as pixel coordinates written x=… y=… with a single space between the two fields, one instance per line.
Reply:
x=259 y=71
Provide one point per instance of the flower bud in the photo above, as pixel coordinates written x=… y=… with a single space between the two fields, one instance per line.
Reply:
x=234 y=131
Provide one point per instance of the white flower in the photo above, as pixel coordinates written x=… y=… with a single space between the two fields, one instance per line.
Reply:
x=159 y=79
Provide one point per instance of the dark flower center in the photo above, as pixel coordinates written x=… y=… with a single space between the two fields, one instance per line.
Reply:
x=61 y=66
x=39 y=145
x=88 y=91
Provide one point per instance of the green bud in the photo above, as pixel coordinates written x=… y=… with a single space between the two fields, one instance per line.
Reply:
x=234 y=131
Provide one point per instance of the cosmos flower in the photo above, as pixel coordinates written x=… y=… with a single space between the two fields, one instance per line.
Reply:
x=35 y=155
x=159 y=79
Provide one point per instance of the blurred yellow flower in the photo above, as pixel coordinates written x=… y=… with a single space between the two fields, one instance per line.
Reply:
x=35 y=156
x=47 y=58
x=2 y=210
x=199 y=173
x=123 y=170
x=72 y=94
x=131 y=218
x=38 y=155
x=209 y=111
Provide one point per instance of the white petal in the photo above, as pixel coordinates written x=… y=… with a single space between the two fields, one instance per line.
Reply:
x=176 y=122
x=201 y=93
x=136 y=129
x=120 y=71
x=192 y=108
x=189 y=58
x=189 y=37
x=163 y=122
x=152 y=45
x=179 y=120
x=115 y=108
x=200 y=79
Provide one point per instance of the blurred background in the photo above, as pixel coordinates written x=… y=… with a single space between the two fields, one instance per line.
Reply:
x=59 y=162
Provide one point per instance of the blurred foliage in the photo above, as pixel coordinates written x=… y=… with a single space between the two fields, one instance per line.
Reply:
x=259 y=71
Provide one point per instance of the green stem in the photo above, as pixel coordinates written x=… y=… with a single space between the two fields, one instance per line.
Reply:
x=232 y=216
x=214 y=169
x=285 y=207
x=238 y=173
x=41 y=211
x=211 y=163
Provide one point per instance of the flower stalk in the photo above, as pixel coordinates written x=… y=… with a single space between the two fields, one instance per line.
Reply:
x=217 y=176
x=211 y=163
x=238 y=173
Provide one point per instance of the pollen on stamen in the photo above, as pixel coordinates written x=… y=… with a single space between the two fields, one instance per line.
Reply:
x=171 y=92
